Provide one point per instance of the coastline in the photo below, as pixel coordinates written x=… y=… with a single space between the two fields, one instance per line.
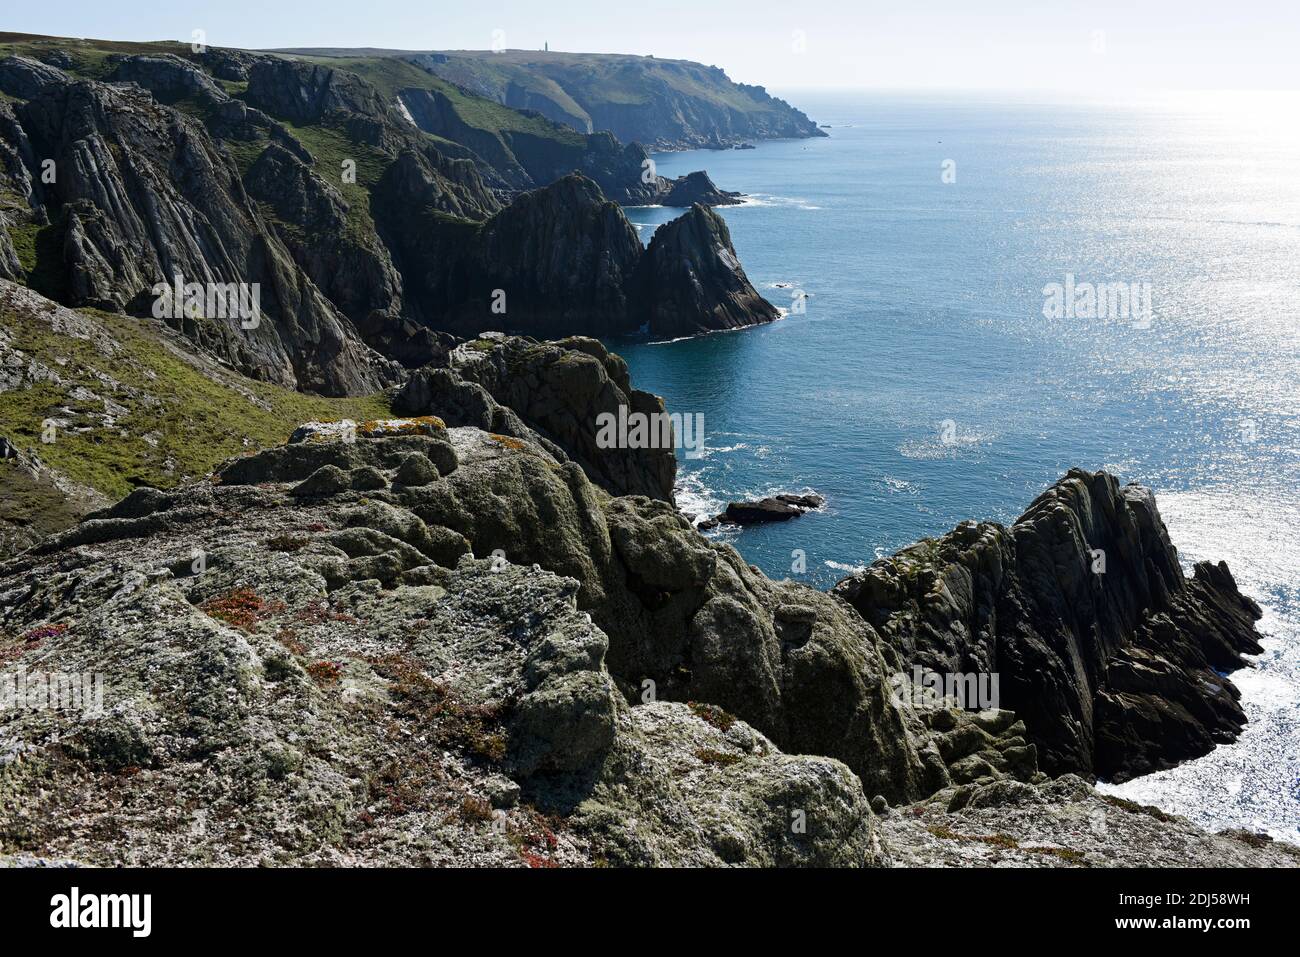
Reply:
x=1176 y=790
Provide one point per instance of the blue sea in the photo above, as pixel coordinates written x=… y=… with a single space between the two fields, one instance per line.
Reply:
x=922 y=384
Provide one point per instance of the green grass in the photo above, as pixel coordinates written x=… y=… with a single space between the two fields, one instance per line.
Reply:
x=36 y=505
x=196 y=420
x=245 y=152
x=391 y=75
x=90 y=58
x=330 y=148
x=40 y=253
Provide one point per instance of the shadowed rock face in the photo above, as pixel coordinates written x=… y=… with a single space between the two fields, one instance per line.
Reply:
x=568 y=261
x=141 y=195
x=694 y=188
x=690 y=280
x=1115 y=672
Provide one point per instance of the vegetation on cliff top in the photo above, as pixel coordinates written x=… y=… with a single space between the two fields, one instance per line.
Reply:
x=148 y=413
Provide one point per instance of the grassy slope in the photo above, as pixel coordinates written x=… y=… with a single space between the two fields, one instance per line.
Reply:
x=195 y=414
x=591 y=78
x=390 y=76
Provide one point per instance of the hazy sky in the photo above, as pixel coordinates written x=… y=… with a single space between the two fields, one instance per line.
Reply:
x=980 y=44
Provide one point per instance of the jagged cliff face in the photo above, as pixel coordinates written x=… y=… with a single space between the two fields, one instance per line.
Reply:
x=564 y=260
x=364 y=235
x=1112 y=656
x=690 y=280
x=141 y=194
x=663 y=103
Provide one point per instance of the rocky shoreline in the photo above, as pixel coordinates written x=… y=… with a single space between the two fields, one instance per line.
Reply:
x=470 y=636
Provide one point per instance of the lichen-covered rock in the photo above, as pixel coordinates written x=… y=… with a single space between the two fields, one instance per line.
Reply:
x=336 y=678
x=1061 y=823
x=552 y=392
x=301 y=679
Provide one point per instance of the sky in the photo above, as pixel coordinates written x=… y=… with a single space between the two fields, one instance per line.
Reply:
x=1097 y=46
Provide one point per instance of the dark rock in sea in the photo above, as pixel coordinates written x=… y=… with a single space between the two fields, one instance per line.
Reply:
x=764 y=510
x=806 y=501
x=697 y=187
x=1109 y=653
x=776 y=508
x=690 y=281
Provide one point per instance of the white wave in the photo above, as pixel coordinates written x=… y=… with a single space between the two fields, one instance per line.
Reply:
x=841 y=567
x=768 y=199
x=695 y=498
x=1252 y=782
x=937 y=448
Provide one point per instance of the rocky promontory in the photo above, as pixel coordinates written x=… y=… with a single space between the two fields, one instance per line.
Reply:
x=697 y=187
x=566 y=260
x=689 y=281
x=1112 y=655
x=664 y=103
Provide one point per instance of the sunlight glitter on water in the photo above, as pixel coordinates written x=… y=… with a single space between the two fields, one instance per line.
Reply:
x=1255 y=782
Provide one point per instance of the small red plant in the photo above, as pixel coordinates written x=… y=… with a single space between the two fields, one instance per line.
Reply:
x=325 y=673
x=37 y=635
x=241 y=608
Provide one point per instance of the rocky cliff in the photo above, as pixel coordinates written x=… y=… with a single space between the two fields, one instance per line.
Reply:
x=673 y=104
x=363 y=235
x=408 y=642
x=564 y=259
x=689 y=280
x=1113 y=657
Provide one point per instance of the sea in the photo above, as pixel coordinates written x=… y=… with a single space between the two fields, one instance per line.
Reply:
x=938 y=360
